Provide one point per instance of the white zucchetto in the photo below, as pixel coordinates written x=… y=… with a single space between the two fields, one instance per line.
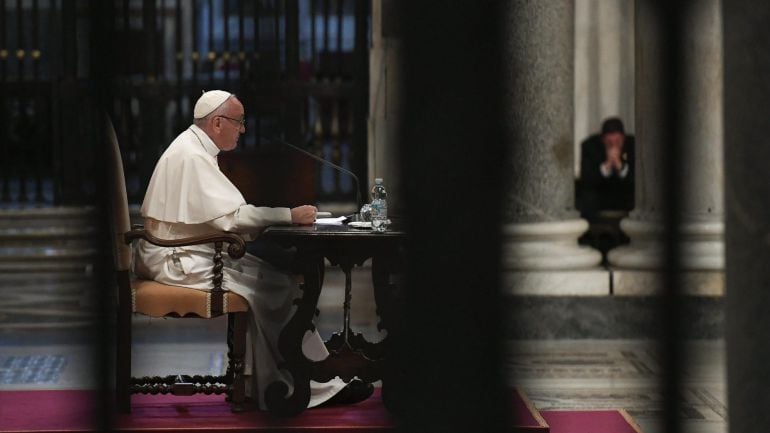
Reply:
x=209 y=101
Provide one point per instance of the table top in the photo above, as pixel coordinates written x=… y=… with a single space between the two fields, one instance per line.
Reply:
x=331 y=231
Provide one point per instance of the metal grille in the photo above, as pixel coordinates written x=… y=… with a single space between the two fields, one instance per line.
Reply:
x=299 y=66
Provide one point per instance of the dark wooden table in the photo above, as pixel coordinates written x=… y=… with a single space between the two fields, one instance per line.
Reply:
x=350 y=354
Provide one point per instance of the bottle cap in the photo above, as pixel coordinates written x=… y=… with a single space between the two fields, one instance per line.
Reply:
x=378 y=180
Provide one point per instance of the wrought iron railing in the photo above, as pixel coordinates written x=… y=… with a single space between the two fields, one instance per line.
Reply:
x=299 y=66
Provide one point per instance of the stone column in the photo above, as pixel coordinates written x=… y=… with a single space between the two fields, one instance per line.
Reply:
x=604 y=66
x=385 y=88
x=702 y=230
x=541 y=226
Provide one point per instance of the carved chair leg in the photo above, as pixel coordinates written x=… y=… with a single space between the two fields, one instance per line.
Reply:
x=237 y=323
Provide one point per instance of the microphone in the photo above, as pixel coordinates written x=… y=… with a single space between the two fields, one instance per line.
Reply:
x=329 y=163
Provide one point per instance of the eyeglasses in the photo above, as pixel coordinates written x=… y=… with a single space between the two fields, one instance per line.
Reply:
x=242 y=120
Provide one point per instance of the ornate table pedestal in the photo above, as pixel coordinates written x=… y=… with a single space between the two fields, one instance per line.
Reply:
x=350 y=354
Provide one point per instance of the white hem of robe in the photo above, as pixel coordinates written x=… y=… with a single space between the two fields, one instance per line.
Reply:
x=270 y=294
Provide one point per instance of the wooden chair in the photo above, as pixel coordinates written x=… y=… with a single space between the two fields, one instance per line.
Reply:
x=160 y=300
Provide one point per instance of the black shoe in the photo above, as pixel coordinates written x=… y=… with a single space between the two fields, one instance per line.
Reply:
x=355 y=391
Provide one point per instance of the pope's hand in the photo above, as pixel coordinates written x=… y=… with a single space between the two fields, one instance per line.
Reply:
x=303 y=214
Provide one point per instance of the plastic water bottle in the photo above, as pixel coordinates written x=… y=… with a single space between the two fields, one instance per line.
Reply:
x=379 y=206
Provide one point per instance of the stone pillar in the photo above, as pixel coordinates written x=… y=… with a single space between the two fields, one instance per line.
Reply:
x=747 y=191
x=385 y=87
x=541 y=226
x=702 y=230
x=604 y=66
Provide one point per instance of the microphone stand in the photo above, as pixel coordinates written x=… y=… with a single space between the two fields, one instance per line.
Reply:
x=330 y=164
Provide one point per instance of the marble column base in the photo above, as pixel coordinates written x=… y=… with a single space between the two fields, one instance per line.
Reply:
x=543 y=246
x=645 y=283
x=590 y=282
x=701 y=245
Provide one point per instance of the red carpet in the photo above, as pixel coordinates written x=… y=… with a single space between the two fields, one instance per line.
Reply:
x=71 y=411
x=593 y=421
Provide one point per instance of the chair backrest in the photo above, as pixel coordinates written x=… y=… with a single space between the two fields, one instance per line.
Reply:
x=121 y=219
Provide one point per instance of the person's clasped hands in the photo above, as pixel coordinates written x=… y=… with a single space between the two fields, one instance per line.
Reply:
x=614 y=160
x=613 y=145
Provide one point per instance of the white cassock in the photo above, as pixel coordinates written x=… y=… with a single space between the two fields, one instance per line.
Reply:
x=187 y=196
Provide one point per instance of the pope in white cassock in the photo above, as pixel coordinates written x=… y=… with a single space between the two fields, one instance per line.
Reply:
x=188 y=196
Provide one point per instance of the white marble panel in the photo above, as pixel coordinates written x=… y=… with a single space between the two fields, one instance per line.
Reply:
x=592 y=282
x=643 y=283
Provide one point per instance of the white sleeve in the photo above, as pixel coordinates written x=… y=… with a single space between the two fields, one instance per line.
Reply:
x=249 y=219
x=623 y=171
x=606 y=171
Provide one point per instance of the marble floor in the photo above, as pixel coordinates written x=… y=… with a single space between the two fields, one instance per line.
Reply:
x=610 y=374
x=46 y=343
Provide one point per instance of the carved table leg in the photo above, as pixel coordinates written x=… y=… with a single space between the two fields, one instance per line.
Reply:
x=346 y=304
x=350 y=355
x=290 y=346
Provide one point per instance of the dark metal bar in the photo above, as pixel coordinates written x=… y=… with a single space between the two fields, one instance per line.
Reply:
x=226 y=45
x=35 y=53
x=195 y=56
x=5 y=193
x=325 y=52
x=246 y=96
x=256 y=66
x=127 y=142
x=149 y=28
x=292 y=38
x=101 y=71
x=293 y=115
x=212 y=55
x=126 y=36
x=40 y=143
x=257 y=16
x=277 y=27
x=672 y=16
x=21 y=162
x=474 y=260
x=150 y=110
x=313 y=63
x=179 y=61
x=340 y=53
x=360 y=100
x=746 y=104
x=65 y=119
x=19 y=31
x=70 y=18
x=160 y=46
x=241 y=44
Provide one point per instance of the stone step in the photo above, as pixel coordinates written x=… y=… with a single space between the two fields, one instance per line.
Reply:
x=46 y=232
x=47 y=259
x=45 y=253
x=608 y=317
x=81 y=267
x=52 y=216
x=49 y=232
x=50 y=239
x=53 y=237
x=47 y=239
